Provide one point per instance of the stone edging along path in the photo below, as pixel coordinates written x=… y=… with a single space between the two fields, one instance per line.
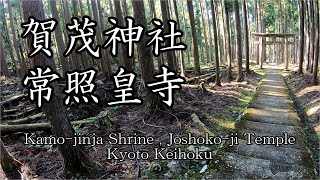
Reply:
x=270 y=119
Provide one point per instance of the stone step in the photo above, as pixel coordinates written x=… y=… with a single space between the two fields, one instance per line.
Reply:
x=273 y=117
x=234 y=166
x=275 y=154
x=267 y=103
x=270 y=128
x=299 y=139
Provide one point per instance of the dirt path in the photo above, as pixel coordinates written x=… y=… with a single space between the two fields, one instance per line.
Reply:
x=271 y=114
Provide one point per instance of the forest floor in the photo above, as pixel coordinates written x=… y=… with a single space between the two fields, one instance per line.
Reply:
x=217 y=108
x=306 y=99
x=271 y=114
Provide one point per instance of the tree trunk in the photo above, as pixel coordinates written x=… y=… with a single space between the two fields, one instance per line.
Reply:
x=316 y=49
x=89 y=7
x=9 y=164
x=145 y=55
x=186 y=33
x=126 y=61
x=125 y=8
x=307 y=32
x=59 y=39
x=15 y=45
x=218 y=31
x=7 y=39
x=312 y=35
x=182 y=63
x=105 y=55
x=215 y=36
x=246 y=34
x=238 y=40
x=256 y=12
x=165 y=17
x=210 y=38
x=67 y=19
x=103 y=59
x=205 y=31
x=301 y=35
x=194 y=38
x=4 y=66
x=75 y=159
x=154 y=16
x=228 y=40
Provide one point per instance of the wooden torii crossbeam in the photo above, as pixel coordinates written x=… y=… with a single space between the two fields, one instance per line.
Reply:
x=285 y=36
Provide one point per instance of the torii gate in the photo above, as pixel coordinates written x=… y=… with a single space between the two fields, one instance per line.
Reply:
x=286 y=42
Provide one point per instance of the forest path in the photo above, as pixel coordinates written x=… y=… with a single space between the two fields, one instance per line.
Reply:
x=270 y=114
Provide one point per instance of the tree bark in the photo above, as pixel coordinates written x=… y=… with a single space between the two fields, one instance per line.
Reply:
x=59 y=39
x=228 y=41
x=316 y=49
x=256 y=12
x=125 y=61
x=301 y=35
x=104 y=54
x=210 y=37
x=165 y=18
x=145 y=55
x=186 y=33
x=246 y=34
x=194 y=38
x=125 y=8
x=66 y=13
x=4 y=65
x=307 y=32
x=7 y=39
x=15 y=45
x=182 y=63
x=312 y=35
x=104 y=61
x=75 y=159
x=204 y=31
x=215 y=37
x=238 y=40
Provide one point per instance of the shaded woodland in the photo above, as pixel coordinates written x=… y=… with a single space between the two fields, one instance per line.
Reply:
x=229 y=45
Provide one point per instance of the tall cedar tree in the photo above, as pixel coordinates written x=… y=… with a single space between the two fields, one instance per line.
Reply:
x=165 y=18
x=215 y=37
x=210 y=38
x=75 y=158
x=59 y=39
x=194 y=38
x=204 y=31
x=307 y=30
x=312 y=35
x=6 y=32
x=15 y=44
x=125 y=60
x=226 y=7
x=256 y=16
x=301 y=35
x=246 y=34
x=67 y=19
x=104 y=61
x=145 y=56
x=316 y=49
x=4 y=65
x=104 y=54
x=182 y=63
x=238 y=40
